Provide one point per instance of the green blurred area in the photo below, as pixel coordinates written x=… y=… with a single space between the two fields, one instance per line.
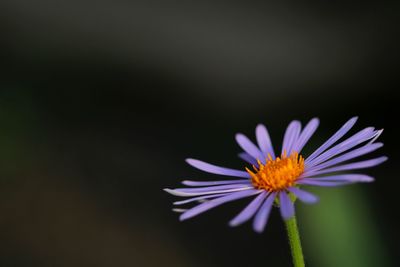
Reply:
x=342 y=230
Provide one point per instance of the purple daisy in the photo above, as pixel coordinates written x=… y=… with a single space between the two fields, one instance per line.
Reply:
x=270 y=179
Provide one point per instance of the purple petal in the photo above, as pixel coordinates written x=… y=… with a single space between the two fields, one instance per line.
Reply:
x=249 y=211
x=349 y=143
x=264 y=141
x=216 y=202
x=210 y=183
x=249 y=159
x=321 y=183
x=306 y=134
x=352 y=166
x=348 y=156
x=341 y=132
x=185 y=193
x=287 y=207
x=212 y=188
x=291 y=135
x=207 y=167
x=352 y=178
x=200 y=198
x=304 y=196
x=263 y=213
x=179 y=210
x=249 y=147
x=378 y=133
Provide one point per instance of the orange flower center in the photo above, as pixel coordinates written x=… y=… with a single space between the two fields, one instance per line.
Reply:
x=277 y=174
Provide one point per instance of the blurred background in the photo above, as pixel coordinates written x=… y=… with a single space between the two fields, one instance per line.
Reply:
x=101 y=102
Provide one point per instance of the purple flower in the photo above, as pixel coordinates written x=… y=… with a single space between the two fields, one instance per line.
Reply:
x=279 y=180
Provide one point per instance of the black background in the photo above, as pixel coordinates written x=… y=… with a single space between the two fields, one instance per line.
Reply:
x=101 y=101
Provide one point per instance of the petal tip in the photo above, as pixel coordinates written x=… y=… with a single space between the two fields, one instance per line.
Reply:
x=169 y=191
x=175 y=192
x=232 y=224
x=258 y=229
x=193 y=162
x=190 y=161
x=179 y=210
x=239 y=136
x=183 y=217
x=368 y=179
x=260 y=126
x=312 y=201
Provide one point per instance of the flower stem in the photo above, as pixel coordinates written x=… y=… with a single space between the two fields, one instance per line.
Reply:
x=294 y=241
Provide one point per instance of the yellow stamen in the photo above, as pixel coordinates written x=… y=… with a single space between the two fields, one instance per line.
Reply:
x=278 y=174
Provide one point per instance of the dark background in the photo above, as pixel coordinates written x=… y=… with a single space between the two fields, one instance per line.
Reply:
x=101 y=102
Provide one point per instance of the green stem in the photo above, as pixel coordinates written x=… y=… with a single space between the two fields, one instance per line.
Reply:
x=294 y=241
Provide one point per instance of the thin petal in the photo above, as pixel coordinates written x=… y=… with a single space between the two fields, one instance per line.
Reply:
x=321 y=183
x=352 y=178
x=179 y=210
x=207 y=167
x=287 y=207
x=249 y=211
x=339 y=134
x=306 y=134
x=246 y=157
x=216 y=202
x=291 y=135
x=345 y=157
x=352 y=166
x=212 y=188
x=200 y=198
x=378 y=133
x=304 y=196
x=263 y=213
x=211 y=183
x=264 y=141
x=249 y=147
x=358 y=138
x=180 y=193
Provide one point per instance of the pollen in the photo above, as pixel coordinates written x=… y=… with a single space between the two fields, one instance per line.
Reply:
x=277 y=174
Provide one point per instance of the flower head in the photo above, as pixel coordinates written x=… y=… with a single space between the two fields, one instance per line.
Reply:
x=268 y=177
